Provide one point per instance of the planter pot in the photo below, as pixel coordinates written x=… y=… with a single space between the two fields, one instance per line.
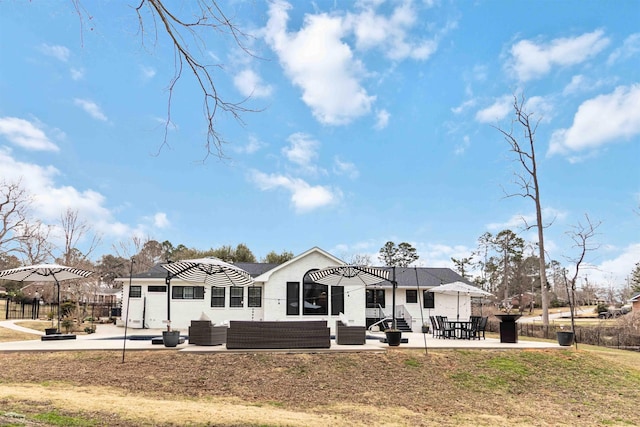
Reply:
x=565 y=338
x=170 y=338
x=50 y=331
x=394 y=338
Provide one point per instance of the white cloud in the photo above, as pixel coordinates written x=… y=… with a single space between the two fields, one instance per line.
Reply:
x=539 y=106
x=580 y=84
x=496 y=111
x=91 y=108
x=252 y=146
x=61 y=53
x=462 y=147
x=249 y=83
x=621 y=108
x=320 y=64
x=382 y=119
x=629 y=49
x=302 y=150
x=160 y=220
x=345 y=168
x=521 y=221
x=530 y=60
x=470 y=103
x=25 y=134
x=77 y=73
x=615 y=271
x=51 y=200
x=390 y=34
x=147 y=72
x=304 y=197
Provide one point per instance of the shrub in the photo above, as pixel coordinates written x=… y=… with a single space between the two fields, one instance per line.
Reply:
x=67 y=324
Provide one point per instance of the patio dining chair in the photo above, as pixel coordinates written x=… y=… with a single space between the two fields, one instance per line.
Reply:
x=480 y=328
x=446 y=330
x=470 y=331
x=435 y=331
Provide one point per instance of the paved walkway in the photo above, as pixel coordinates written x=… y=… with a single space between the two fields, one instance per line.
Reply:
x=111 y=337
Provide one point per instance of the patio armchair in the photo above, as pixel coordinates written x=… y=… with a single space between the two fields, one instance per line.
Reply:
x=350 y=335
x=203 y=332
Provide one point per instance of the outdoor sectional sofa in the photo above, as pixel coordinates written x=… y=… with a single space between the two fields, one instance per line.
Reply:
x=278 y=335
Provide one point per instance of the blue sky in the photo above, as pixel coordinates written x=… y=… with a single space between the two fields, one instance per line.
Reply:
x=375 y=124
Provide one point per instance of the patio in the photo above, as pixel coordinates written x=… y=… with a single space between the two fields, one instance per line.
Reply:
x=110 y=337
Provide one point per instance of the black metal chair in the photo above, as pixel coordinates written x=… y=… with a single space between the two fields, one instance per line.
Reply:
x=480 y=328
x=445 y=329
x=470 y=332
x=435 y=330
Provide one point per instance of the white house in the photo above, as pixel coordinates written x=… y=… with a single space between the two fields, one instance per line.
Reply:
x=285 y=292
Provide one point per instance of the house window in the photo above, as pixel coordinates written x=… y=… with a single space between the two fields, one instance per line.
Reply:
x=316 y=300
x=236 y=296
x=293 y=298
x=255 y=296
x=375 y=298
x=162 y=288
x=429 y=300
x=412 y=296
x=187 y=292
x=135 y=292
x=217 y=297
x=337 y=300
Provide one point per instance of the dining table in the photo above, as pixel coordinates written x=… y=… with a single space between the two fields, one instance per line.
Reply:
x=460 y=328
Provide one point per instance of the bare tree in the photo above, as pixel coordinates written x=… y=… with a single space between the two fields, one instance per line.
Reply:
x=581 y=234
x=524 y=147
x=14 y=207
x=359 y=259
x=34 y=243
x=187 y=25
x=74 y=230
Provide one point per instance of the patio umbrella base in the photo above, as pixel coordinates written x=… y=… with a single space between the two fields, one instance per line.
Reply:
x=402 y=340
x=57 y=337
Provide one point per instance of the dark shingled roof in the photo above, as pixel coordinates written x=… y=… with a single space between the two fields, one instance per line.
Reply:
x=405 y=276
x=253 y=268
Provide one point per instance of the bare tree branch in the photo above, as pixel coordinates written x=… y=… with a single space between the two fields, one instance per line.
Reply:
x=210 y=17
x=75 y=230
x=14 y=207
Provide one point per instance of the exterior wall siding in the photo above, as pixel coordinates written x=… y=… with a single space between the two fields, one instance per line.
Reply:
x=150 y=309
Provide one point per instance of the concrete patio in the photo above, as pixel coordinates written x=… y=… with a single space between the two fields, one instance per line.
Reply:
x=111 y=337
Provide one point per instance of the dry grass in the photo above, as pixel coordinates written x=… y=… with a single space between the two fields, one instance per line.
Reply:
x=399 y=388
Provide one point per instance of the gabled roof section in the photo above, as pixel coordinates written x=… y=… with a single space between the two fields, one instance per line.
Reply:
x=634 y=298
x=158 y=272
x=265 y=276
x=412 y=277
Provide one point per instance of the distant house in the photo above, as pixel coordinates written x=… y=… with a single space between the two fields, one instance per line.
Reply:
x=635 y=302
x=285 y=292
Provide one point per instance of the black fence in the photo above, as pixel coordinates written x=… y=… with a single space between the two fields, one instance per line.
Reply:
x=605 y=336
x=36 y=309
